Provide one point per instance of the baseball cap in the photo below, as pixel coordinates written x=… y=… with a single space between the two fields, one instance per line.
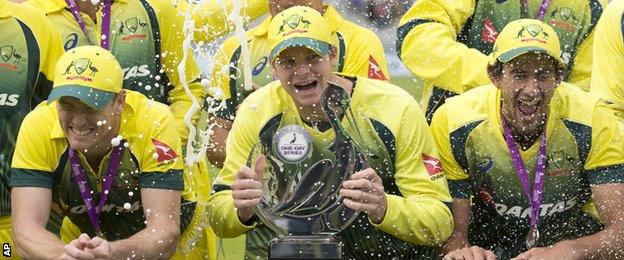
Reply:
x=526 y=35
x=299 y=26
x=88 y=73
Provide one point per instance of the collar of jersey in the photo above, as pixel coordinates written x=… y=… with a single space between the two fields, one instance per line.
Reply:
x=555 y=106
x=127 y=129
x=333 y=18
x=50 y=6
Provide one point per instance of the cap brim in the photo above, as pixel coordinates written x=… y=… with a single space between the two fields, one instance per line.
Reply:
x=92 y=97
x=514 y=53
x=320 y=47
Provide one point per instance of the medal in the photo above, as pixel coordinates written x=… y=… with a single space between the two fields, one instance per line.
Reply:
x=532 y=237
x=93 y=211
x=533 y=194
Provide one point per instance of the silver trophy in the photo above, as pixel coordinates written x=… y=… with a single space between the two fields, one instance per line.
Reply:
x=301 y=201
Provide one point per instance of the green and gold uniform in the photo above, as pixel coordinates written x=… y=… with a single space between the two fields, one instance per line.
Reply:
x=446 y=43
x=392 y=129
x=152 y=159
x=146 y=38
x=360 y=53
x=607 y=78
x=29 y=48
x=583 y=148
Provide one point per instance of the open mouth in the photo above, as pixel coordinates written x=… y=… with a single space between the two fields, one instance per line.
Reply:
x=306 y=86
x=83 y=132
x=527 y=108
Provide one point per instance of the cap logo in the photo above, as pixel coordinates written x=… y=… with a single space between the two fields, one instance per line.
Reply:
x=293 y=22
x=80 y=66
x=534 y=30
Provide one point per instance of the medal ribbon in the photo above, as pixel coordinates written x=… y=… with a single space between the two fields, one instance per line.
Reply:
x=85 y=192
x=524 y=7
x=106 y=18
x=533 y=195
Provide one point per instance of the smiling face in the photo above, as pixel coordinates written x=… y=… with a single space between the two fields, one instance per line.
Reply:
x=527 y=85
x=80 y=124
x=304 y=74
x=276 y=6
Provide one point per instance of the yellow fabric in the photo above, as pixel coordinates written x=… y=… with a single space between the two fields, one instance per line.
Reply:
x=422 y=194
x=483 y=103
x=88 y=73
x=6 y=233
x=525 y=35
x=211 y=21
x=432 y=52
x=100 y=69
x=361 y=44
x=47 y=36
x=607 y=79
x=40 y=148
x=171 y=41
x=299 y=26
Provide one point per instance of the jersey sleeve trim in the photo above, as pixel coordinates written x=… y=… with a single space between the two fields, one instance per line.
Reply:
x=606 y=175
x=403 y=30
x=30 y=178
x=458 y=140
x=163 y=180
x=460 y=189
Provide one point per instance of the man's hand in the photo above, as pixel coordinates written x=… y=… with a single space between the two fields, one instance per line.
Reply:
x=100 y=248
x=247 y=189
x=561 y=250
x=470 y=253
x=76 y=248
x=365 y=192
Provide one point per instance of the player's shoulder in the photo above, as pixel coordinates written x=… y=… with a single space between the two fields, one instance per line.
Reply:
x=473 y=105
x=145 y=109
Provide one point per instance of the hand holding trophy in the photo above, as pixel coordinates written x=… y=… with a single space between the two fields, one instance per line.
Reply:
x=294 y=188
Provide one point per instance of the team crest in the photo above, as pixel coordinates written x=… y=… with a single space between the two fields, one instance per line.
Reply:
x=533 y=29
x=80 y=66
x=132 y=24
x=293 y=22
x=292 y=144
x=7 y=52
x=566 y=13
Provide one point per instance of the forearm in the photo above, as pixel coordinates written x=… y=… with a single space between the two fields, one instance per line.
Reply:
x=149 y=243
x=457 y=240
x=606 y=244
x=35 y=242
x=432 y=227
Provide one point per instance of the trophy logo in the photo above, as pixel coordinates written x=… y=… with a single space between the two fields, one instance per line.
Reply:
x=292 y=144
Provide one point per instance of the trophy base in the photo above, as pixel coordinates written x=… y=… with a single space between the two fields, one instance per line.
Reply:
x=304 y=247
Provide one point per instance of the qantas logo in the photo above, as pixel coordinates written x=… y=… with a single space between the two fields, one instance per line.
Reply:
x=489 y=33
x=374 y=71
x=164 y=152
x=432 y=164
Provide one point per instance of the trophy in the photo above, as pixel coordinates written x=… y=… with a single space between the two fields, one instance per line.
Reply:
x=301 y=201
